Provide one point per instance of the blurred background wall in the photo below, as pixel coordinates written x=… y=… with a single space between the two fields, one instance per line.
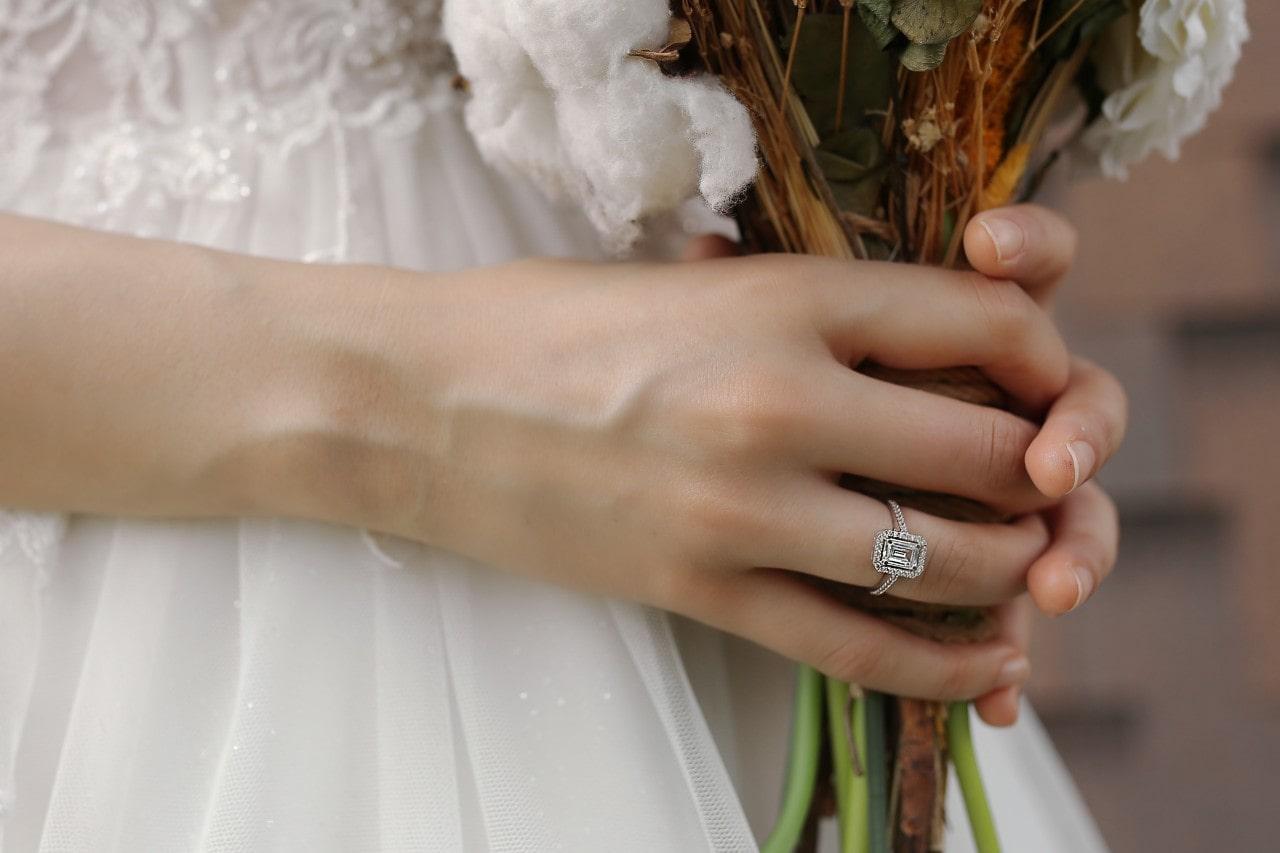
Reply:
x=1164 y=692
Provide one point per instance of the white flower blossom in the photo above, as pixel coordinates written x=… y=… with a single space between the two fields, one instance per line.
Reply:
x=1165 y=73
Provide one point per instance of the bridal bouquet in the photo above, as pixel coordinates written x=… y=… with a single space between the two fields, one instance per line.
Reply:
x=854 y=129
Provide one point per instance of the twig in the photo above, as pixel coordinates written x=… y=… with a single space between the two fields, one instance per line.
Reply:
x=844 y=62
x=801 y=6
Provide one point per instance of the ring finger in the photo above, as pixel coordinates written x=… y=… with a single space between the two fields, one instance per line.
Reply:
x=829 y=531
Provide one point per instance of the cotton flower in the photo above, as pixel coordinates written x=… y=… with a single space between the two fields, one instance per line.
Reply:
x=1165 y=76
x=556 y=97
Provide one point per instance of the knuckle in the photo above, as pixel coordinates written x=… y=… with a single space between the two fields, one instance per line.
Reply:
x=950 y=564
x=854 y=659
x=742 y=418
x=755 y=417
x=958 y=677
x=719 y=516
x=1005 y=440
x=764 y=276
x=1006 y=310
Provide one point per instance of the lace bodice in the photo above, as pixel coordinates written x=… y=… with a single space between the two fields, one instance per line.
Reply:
x=164 y=96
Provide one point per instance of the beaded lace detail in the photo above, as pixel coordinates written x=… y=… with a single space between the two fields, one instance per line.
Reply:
x=166 y=98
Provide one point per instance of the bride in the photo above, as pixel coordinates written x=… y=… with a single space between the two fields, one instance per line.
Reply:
x=340 y=523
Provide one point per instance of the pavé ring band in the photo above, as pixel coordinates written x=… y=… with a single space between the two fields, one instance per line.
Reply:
x=898 y=553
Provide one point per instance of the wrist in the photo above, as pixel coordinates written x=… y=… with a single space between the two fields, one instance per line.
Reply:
x=351 y=384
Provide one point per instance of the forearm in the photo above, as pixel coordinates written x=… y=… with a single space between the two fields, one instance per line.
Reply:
x=154 y=378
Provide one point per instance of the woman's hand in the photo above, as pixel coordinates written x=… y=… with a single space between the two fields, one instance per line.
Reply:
x=669 y=433
x=673 y=434
x=1035 y=247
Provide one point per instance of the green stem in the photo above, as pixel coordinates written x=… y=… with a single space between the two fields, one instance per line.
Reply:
x=802 y=766
x=877 y=761
x=858 y=800
x=851 y=805
x=960 y=745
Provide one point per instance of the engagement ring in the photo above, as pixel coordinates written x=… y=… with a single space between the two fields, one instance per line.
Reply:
x=898 y=553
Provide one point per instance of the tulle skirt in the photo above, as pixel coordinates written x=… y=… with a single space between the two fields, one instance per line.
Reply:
x=265 y=684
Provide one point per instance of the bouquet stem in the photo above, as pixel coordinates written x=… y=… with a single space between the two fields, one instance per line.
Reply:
x=802 y=763
x=848 y=744
x=960 y=745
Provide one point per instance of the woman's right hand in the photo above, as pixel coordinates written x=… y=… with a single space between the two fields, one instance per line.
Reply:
x=673 y=434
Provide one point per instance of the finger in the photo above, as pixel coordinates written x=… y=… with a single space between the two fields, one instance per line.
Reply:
x=914 y=317
x=1083 y=429
x=916 y=439
x=1085 y=531
x=1000 y=706
x=816 y=527
x=1025 y=243
x=707 y=246
x=783 y=613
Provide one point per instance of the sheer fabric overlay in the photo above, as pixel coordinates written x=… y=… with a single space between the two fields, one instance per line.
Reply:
x=281 y=684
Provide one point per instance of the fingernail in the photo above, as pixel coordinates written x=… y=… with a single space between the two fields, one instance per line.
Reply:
x=1084 y=585
x=1007 y=236
x=1014 y=671
x=1082 y=460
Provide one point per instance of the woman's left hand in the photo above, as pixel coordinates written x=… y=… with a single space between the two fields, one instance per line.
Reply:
x=1035 y=247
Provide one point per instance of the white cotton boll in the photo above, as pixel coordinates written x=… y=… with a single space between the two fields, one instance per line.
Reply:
x=511 y=110
x=721 y=128
x=1165 y=71
x=555 y=96
x=577 y=44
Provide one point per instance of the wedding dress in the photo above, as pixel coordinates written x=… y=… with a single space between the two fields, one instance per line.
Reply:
x=285 y=685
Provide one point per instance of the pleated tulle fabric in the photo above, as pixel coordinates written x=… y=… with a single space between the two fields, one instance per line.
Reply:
x=271 y=684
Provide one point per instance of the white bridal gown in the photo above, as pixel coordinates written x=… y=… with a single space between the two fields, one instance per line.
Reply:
x=283 y=685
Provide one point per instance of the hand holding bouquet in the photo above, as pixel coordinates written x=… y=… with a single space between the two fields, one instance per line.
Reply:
x=856 y=129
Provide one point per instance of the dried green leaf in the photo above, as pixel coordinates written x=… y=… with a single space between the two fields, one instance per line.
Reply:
x=870 y=78
x=922 y=57
x=854 y=164
x=875 y=16
x=933 y=22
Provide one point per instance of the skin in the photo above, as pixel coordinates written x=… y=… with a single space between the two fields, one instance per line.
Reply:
x=666 y=433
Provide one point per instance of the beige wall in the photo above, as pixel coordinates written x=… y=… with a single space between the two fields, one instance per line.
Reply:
x=1164 y=693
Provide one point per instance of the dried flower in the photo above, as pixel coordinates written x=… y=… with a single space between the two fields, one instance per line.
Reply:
x=925 y=132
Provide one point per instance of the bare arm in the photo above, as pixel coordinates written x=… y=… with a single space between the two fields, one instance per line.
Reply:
x=157 y=378
x=666 y=433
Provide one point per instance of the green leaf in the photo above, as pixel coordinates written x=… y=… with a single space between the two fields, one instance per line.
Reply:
x=854 y=164
x=815 y=76
x=922 y=57
x=875 y=16
x=932 y=22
